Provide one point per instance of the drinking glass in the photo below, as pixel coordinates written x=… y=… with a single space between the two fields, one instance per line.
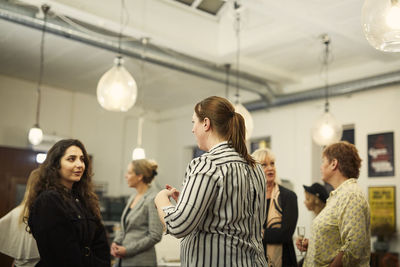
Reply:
x=301 y=232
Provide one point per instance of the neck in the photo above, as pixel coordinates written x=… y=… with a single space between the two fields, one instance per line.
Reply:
x=270 y=185
x=213 y=140
x=142 y=188
x=337 y=180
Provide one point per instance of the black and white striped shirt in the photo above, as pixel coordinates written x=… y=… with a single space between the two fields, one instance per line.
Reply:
x=220 y=212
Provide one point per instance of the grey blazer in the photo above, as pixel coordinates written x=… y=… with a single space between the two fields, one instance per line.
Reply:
x=141 y=232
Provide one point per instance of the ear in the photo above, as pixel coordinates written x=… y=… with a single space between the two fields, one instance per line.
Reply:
x=334 y=164
x=206 y=124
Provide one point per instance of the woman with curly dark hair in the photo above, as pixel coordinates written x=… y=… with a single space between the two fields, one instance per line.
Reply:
x=64 y=215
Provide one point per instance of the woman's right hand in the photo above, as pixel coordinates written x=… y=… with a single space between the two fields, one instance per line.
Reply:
x=174 y=193
x=302 y=244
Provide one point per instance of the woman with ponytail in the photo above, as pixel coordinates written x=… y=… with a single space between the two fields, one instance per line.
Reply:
x=221 y=209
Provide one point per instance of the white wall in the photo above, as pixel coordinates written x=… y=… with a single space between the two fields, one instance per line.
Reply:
x=110 y=137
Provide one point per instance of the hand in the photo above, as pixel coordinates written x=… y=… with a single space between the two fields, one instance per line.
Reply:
x=113 y=249
x=120 y=251
x=302 y=244
x=174 y=192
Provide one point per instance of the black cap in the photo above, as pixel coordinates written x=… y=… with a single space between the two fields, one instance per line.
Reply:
x=318 y=190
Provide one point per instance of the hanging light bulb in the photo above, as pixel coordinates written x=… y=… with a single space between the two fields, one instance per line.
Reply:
x=35 y=135
x=117 y=90
x=326 y=129
x=138 y=152
x=239 y=108
x=248 y=119
x=381 y=24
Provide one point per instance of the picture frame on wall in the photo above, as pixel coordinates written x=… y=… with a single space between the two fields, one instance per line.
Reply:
x=264 y=142
x=382 y=202
x=381 y=155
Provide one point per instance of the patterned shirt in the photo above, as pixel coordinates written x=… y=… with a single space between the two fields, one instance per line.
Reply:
x=220 y=211
x=343 y=225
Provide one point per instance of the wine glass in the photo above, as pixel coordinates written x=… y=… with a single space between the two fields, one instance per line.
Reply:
x=301 y=232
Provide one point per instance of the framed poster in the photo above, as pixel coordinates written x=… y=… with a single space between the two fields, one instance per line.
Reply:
x=380 y=155
x=382 y=202
x=260 y=143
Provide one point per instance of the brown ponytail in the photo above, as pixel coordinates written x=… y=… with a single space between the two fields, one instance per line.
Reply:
x=226 y=122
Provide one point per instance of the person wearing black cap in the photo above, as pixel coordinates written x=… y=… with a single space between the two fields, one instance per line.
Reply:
x=315 y=197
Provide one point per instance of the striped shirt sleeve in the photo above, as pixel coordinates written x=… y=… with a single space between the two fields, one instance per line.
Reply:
x=199 y=191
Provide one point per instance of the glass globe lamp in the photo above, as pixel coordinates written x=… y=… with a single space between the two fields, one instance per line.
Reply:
x=381 y=24
x=248 y=119
x=327 y=130
x=117 y=90
x=35 y=135
x=138 y=153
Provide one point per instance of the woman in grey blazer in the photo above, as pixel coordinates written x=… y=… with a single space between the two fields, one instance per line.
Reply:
x=141 y=228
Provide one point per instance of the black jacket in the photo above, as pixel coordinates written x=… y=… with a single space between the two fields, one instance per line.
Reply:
x=284 y=235
x=67 y=234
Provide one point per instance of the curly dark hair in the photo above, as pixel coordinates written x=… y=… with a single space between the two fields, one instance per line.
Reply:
x=49 y=177
x=349 y=162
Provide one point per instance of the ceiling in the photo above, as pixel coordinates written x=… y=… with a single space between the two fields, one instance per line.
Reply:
x=280 y=46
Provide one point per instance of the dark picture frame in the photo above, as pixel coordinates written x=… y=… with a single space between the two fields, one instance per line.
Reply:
x=381 y=155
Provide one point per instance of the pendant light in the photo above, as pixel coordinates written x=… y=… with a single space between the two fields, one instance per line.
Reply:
x=381 y=24
x=239 y=108
x=117 y=90
x=35 y=135
x=326 y=129
x=138 y=152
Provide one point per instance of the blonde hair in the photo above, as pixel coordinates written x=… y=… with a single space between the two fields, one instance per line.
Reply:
x=32 y=180
x=145 y=167
x=261 y=155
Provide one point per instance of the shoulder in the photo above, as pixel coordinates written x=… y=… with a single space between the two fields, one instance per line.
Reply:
x=285 y=192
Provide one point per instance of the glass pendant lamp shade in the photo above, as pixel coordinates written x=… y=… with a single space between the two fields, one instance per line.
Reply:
x=35 y=135
x=381 y=24
x=117 y=90
x=326 y=130
x=248 y=119
x=138 y=153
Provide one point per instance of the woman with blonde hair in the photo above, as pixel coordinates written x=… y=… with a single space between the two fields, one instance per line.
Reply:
x=282 y=214
x=141 y=228
x=15 y=241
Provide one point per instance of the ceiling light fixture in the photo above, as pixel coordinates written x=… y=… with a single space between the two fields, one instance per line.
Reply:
x=326 y=129
x=35 y=135
x=117 y=90
x=381 y=24
x=138 y=152
x=239 y=108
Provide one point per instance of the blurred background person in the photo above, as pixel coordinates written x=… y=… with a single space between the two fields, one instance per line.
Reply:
x=282 y=214
x=340 y=234
x=64 y=215
x=315 y=197
x=221 y=209
x=141 y=228
x=315 y=200
x=15 y=241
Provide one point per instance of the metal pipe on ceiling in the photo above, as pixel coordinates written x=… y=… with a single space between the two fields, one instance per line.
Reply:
x=156 y=55
x=345 y=88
